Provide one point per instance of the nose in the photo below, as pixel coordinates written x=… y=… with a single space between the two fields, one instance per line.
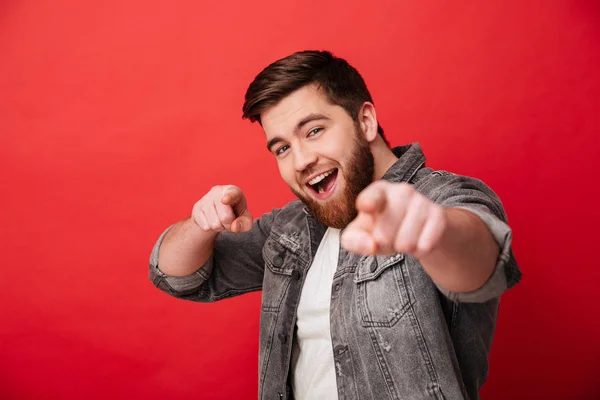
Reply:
x=303 y=157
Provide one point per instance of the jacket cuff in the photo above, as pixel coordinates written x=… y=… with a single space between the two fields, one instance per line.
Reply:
x=505 y=275
x=180 y=284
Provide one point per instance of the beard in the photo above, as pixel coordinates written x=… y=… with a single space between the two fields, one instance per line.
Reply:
x=338 y=211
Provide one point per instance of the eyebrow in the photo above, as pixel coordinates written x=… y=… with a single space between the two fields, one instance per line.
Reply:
x=309 y=118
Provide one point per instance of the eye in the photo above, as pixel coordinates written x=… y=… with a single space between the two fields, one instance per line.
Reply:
x=314 y=132
x=281 y=150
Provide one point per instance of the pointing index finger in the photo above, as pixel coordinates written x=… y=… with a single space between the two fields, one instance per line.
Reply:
x=231 y=195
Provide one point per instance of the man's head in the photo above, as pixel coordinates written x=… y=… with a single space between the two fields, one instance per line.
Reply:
x=320 y=121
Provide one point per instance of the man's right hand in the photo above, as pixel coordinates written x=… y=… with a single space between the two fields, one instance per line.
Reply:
x=223 y=208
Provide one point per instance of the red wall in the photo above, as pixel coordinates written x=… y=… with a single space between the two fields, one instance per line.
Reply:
x=115 y=116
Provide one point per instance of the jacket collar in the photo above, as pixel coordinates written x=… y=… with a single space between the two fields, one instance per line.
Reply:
x=410 y=160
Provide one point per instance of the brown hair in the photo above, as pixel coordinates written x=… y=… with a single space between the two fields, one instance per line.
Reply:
x=341 y=82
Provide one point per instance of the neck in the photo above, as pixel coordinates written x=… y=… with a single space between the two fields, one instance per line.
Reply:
x=384 y=158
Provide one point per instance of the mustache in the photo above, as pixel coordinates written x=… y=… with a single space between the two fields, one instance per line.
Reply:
x=304 y=174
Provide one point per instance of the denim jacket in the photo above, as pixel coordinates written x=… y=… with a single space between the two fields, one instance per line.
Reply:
x=395 y=334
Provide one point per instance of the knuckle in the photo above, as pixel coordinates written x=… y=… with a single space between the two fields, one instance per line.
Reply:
x=203 y=202
x=200 y=203
x=212 y=190
x=411 y=247
x=381 y=238
x=386 y=243
x=399 y=247
x=402 y=245
x=226 y=219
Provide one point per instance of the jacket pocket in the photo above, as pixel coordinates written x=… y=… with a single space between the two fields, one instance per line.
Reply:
x=383 y=290
x=279 y=269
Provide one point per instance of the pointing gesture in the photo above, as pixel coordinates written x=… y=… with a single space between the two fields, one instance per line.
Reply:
x=223 y=208
x=394 y=218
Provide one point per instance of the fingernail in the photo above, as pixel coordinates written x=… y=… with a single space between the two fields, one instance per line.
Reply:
x=240 y=226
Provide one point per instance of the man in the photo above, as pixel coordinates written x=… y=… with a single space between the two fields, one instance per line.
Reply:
x=382 y=281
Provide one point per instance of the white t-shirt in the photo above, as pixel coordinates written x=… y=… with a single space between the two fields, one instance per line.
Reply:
x=313 y=374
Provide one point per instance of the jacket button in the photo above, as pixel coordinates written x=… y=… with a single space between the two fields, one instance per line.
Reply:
x=282 y=337
x=278 y=261
x=339 y=350
x=374 y=265
x=296 y=274
x=337 y=287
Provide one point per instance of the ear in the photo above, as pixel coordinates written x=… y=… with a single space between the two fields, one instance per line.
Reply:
x=367 y=117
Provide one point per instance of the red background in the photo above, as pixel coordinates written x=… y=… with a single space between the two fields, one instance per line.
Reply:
x=116 y=116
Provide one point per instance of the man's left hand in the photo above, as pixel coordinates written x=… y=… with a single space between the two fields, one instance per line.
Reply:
x=394 y=218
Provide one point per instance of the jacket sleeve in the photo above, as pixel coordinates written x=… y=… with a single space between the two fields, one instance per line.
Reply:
x=473 y=195
x=235 y=267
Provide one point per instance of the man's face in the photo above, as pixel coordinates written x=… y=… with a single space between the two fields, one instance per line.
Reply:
x=321 y=153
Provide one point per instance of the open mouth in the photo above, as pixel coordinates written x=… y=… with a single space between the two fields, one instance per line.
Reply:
x=322 y=186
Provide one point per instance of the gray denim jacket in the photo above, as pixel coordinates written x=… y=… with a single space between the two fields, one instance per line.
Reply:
x=395 y=334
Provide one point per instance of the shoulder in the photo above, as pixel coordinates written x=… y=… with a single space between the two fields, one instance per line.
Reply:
x=439 y=183
x=454 y=190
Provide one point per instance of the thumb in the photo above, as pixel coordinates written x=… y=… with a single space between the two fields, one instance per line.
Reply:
x=234 y=197
x=243 y=223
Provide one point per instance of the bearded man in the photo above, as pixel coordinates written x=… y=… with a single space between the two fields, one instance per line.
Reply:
x=382 y=280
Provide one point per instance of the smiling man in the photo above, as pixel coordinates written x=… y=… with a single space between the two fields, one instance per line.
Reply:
x=382 y=281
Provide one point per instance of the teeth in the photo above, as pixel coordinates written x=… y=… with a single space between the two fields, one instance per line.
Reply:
x=319 y=178
x=321 y=190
